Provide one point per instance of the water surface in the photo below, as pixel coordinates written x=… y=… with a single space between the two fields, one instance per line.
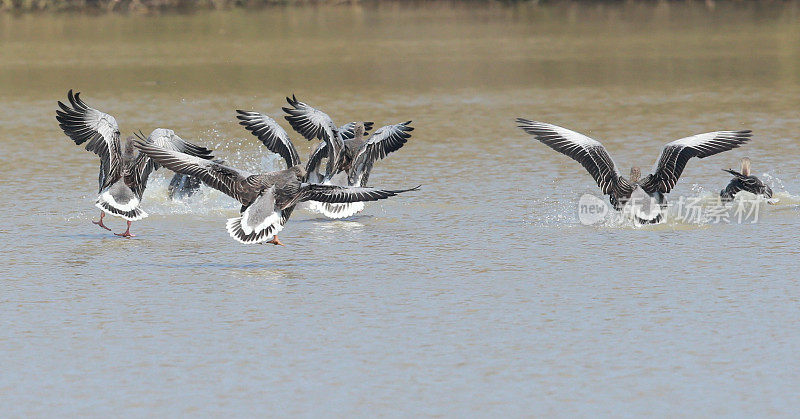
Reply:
x=480 y=294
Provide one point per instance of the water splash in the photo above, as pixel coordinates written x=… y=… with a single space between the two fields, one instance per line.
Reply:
x=700 y=209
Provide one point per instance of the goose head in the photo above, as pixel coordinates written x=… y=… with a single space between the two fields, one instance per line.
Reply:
x=636 y=173
x=300 y=172
x=358 y=130
x=746 y=166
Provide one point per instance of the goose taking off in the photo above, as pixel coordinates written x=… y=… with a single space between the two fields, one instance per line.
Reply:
x=744 y=181
x=351 y=140
x=123 y=170
x=649 y=190
x=355 y=159
x=267 y=199
x=315 y=124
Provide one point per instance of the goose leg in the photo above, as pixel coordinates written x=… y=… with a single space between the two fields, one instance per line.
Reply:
x=100 y=223
x=275 y=241
x=127 y=232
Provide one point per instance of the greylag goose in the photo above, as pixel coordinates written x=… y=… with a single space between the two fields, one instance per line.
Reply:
x=267 y=199
x=648 y=191
x=319 y=153
x=123 y=170
x=355 y=159
x=744 y=181
x=315 y=124
x=183 y=186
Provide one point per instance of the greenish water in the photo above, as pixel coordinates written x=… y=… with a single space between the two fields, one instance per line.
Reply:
x=479 y=295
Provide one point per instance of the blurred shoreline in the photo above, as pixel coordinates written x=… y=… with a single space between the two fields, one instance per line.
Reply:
x=149 y=6
x=187 y=6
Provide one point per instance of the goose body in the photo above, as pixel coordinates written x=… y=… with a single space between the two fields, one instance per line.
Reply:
x=354 y=159
x=123 y=170
x=267 y=199
x=183 y=186
x=645 y=197
x=744 y=181
x=123 y=196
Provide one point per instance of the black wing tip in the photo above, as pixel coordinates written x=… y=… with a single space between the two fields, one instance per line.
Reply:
x=399 y=191
x=142 y=144
x=140 y=135
x=530 y=126
x=71 y=95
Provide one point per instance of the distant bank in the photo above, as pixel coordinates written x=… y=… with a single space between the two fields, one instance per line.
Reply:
x=155 y=6
x=147 y=5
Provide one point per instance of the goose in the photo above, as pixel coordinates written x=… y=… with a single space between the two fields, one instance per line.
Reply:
x=350 y=142
x=744 y=181
x=123 y=170
x=183 y=186
x=648 y=191
x=354 y=161
x=267 y=199
x=314 y=124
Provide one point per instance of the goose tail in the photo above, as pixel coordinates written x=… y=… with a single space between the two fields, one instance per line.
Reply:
x=129 y=211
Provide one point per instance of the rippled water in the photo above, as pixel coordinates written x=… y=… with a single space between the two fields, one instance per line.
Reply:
x=480 y=294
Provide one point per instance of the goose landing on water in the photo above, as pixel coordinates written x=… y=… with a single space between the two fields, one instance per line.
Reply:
x=267 y=199
x=123 y=170
x=355 y=156
x=744 y=181
x=647 y=193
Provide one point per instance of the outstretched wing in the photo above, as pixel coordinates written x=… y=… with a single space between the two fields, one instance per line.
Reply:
x=167 y=140
x=586 y=151
x=271 y=134
x=384 y=141
x=98 y=130
x=315 y=124
x=228 y=180
x=675 y=155
x=342 y=194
